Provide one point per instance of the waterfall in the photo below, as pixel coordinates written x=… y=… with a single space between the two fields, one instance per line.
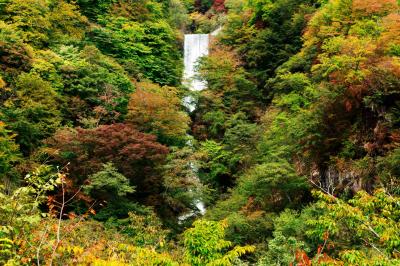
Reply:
x=196 y=46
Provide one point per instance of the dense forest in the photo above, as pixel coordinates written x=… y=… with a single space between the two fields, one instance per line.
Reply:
x=293 y=147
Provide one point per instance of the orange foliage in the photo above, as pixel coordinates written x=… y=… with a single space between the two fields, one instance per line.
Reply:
x=302 y=259
x=157 y=109
x=370 y=7
x=391 y=35
x=136 y=9
x=395 y=136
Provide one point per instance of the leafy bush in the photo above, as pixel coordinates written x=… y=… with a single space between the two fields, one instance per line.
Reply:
x=205 y=244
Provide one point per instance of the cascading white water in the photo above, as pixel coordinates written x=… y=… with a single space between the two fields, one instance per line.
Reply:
x=196 y=46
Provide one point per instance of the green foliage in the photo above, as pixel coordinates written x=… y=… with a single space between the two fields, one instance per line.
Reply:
x=33 y=113
x=288 y=237
x=84 y=241
x=278 y=37
x=93 y=8
x=248 y=225
x=146 y=49
x=177 y=15
x=109 y=182
x=20 y=212
x=331 y=116
x=389 y=171
x=240 y=137
x=15 y=53
x=274 y=184
x=217 y=164
x=29 y=16
x=216 y=121
x=145 y=230
x=97 y=86
x=205 y=244
x=359 y=231
x=112 y=188
x=9 y=152
x=88 y=242
x=229 y=84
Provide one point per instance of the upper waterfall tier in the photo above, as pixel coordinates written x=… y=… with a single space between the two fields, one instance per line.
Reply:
x=196 y=46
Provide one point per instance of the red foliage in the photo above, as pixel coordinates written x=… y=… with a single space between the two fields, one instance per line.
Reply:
x=14 y=56
x=219 y=6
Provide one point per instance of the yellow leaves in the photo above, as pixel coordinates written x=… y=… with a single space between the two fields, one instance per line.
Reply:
x=60 y=178
x=370 y=218
x=38 y=20
x=205 y=244
x=357 y=47
x=75 y=250
x=2 y=83
x=141 y=256
x=232 y=255
x=204 y=22
x=351 y=54
x=112 y=262
x=346 y=60
x=324 y=197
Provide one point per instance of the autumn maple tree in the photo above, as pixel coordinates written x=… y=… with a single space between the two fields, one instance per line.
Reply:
x=157 y=110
